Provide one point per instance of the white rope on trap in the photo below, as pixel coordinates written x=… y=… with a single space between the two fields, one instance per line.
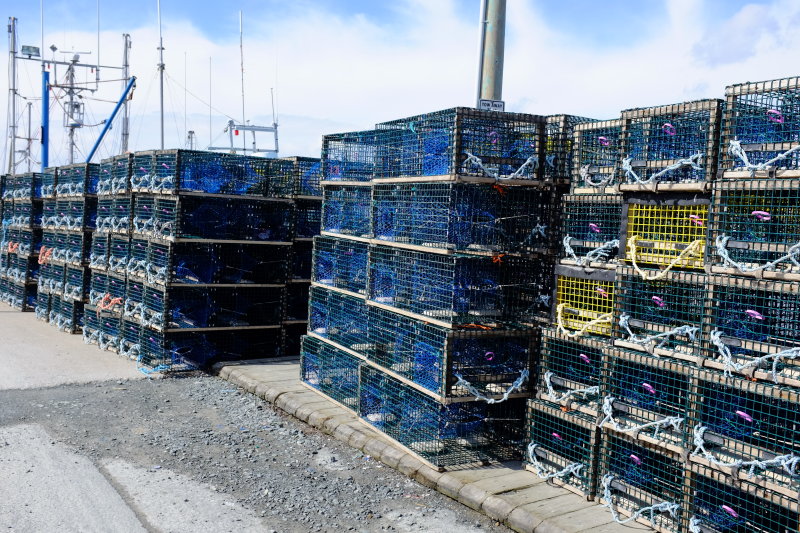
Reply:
x=670 y=508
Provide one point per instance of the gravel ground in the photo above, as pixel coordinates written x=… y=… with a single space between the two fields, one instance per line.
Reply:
x=237 y=445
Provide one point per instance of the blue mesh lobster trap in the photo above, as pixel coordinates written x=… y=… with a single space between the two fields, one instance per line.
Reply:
x=20 y=296
x=464 y=217
x=49 y=182
x=569 y=371
x=106 y=291
x=66 y=314
x=306 y=175
x=78 y=179
x=302 y=260
x=717 y=505
x=292 y=333
x=42 y=307
x=338 y=317
x=115 y=175
x=330 y=370
x=181 y=351
x=91 y=325
x=562 y=447
x=24 y=214
x=22 y=241
x=672 y=146
x=462 y=141
x=340 y=263
x=130 y=338
x=590 y=229
x=596 y=157
x=22 y=268
x=138 y=262
x=308 y=217
x=27 y=186
x=754 y=329
x=69 y=247
x=213 y=218
x=297 y=298
x=142 y=170
x=442 y=435
x=750 y=429
x=104 y=222
x=662 y=316
x=119 y=251
x=196 y=308
x=76 y=282
x=196 y=263
x=641 y=482
x=98 y=254
x=452 y=364
x=762 y=128
x=456 y=289
x=646 y=397
x=347 y=210
x=558 y=159
x=51 y=278
x=133 y=306
x=350 y=156
x=755 y=228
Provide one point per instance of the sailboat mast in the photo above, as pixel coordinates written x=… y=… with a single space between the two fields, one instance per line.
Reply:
x=161 y=72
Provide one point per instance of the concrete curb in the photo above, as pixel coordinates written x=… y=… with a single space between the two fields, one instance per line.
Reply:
x=508 y=494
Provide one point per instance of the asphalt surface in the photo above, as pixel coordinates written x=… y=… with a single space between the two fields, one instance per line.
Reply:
x=188 y=453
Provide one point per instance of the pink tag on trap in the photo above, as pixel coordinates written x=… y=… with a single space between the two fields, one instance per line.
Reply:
x=649 y=388
x=594 y=227
x=744 y=416
x=585 y=358
x=557 y=436
x=762 y=215
x=754 y=314
x=658 y=301
x=730 y=511
x=635 y=459
x=603 y=141
x=696 y=219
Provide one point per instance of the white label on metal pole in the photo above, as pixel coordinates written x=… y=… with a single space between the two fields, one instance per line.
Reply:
x=491 y=105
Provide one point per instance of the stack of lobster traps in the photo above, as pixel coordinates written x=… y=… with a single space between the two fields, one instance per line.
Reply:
x=667 y=388
x=432 y=275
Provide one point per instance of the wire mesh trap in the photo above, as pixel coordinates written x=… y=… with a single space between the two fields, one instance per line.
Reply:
x=569 y=371
x=443 y=435
x=752 y=428
x=464 y=217
x=78 y=179
x=302 y=260
x=308 y=220
x=51 y=278
x=66 y=314
x=562 y=447
x=584 y=301
x=458 y=289
x=292 y=334
x=115 y=175
x=42 y=307
x=470 y=362
x=297 y=298
x=596 y=158
x=641 y=482
x=76 y=282
x=672 y=144
x=98 y=256
x=347 y=210
x=590 y=229
x=350 y=156
x=306 y=175
x=340 y=263
x=762 y=126
x=755 y=227
x=462 y=141
x=558 y=159
x=755 y=329
x=24 y=214
x=664 y=316
x=119 y=253
x=646 y=396
x=667 y=232
x=330 y=370
x=338 y=317
x=717 y=506
x=25 y=186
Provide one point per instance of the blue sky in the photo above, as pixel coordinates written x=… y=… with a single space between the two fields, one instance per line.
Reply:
x=345 y=65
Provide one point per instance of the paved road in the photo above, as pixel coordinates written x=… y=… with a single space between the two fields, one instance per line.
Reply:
x=87 y=444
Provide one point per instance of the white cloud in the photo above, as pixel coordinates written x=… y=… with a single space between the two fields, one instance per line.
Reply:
x=338 y=73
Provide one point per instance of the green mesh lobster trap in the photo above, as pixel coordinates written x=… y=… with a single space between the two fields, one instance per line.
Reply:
x=558 y=158
x=761 y=135
x=596 y=157
x=330 y=370
x=338 y=317
x=671 y=147
x=569 y=371
x=646 y=397
x=590 y=229
x=340 y=263
x=562 y=447
x=641 y=482
x=749 y=430
x=754 y=329
x=663 y=316
x=755 y=228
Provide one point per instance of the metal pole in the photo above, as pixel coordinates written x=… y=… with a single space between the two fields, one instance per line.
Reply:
x=71 y=123
x=128 y=87
x=161 y=72
x=241 y=63
x=45 y=119
x=493 y=50
x=481 y=41
x=30 y=138
x=12 y=93
x=210 y=140
x=126 y=40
